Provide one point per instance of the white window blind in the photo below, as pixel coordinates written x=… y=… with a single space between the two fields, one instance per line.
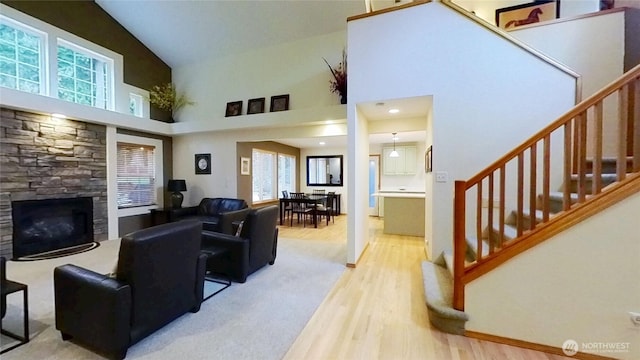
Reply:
x=136 y=175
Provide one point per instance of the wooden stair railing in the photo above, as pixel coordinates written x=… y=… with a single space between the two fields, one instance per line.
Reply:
x=569 y=149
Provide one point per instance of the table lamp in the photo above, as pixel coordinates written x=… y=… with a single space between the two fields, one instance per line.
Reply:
x=176 y=186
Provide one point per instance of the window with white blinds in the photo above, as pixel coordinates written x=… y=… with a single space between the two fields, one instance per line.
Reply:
x=136 y=175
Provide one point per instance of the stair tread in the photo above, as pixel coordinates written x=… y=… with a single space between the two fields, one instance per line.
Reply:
x=438 y=288
x=472 y=245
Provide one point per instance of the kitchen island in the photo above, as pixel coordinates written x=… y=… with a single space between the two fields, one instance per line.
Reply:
x=403 y=212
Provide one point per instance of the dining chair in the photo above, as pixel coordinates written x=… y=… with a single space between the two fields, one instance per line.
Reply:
x=326 y=209
x=287 y=208
x=299 y=208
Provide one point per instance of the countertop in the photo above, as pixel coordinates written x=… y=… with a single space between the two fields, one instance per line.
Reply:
x=400 y=194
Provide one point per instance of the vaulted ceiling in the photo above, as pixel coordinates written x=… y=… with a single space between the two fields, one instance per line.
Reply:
x=181 y=32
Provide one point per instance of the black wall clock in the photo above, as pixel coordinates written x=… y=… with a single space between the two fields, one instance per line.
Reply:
x=203 y=164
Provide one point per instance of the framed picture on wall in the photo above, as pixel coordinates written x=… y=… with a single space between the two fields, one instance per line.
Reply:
x=234 y=108
x=245 y=166
x=255 y=106
x=428 y=160
x=511 y=17
x=203 y=164
x=279 y=103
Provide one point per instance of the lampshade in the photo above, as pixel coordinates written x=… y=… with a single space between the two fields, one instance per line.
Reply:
x=394 y=153
x=177 y=185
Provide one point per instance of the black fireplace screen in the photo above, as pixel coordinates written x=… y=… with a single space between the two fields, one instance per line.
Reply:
x=44 y=225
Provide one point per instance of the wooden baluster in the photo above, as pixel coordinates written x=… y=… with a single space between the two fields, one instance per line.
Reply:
x=575 y=151
x=623 y=115
x=636 y=127
x=490 y=215
x=582 y=156
x=546 y=169
x=502 y=205
x=460 y=244
x=631 y=119
x=520 y=200
x=532 y=185
x=479 y=223
x=566 y=196
x=597 y=156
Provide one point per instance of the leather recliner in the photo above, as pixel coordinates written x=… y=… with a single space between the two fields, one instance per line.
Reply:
x=255 y=247
x=159 y=277
x=216 y=214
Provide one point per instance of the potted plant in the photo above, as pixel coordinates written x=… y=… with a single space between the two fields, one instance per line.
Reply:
x=339 y=82
x=166 y=98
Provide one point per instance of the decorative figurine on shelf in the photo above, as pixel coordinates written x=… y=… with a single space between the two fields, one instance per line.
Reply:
x=176 y=186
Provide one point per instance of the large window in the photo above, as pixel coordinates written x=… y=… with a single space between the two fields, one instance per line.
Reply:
x=264 y=175
x=21 y=53
x=136 y=175
x=77 y=71
x=271 y=174
x=83 y=77
x=286 y=173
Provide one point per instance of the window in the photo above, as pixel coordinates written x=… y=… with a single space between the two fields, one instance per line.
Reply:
x=83 y=77
x=264 y=175
x=135 y=105
x=21 y=53
x=286 y=173
x=136 y=175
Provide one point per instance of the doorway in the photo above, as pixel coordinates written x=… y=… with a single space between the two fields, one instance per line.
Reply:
x=374 y=184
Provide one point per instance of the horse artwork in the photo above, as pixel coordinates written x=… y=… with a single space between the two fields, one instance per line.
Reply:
x=534 y=17
x=512 y=17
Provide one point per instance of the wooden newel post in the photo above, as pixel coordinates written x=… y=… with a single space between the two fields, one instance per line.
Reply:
x=459 y=243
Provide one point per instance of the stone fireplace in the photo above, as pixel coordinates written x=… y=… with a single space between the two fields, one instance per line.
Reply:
x=45 y=158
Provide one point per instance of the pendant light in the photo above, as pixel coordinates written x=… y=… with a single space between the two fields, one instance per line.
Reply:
x=394 y=153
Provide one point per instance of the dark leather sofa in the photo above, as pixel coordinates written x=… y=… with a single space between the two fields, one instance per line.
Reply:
x=159 y=277
x=216 y=214
x=254 y=248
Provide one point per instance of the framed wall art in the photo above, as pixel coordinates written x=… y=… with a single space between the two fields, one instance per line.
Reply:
x=234 y=108
x=245 y=166
x=511 y=17
x=428 y=160
x=203 y=164
x=255 y=106
x=279 y=103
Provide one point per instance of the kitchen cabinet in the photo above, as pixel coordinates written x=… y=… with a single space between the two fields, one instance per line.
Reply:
x=405 y=164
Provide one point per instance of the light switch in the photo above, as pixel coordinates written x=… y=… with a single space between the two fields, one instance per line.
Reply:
x=442 y=176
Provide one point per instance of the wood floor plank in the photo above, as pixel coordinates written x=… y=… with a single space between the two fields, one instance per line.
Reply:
x=377 y=310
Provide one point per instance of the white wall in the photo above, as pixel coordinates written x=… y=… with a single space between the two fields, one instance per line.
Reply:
x=602 y=59
x=595 y=261
x=431 y=50
x=294 y=68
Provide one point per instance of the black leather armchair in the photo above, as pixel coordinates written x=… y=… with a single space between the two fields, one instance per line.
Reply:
x=159 y=277
x=254 y=248
x=216 y=214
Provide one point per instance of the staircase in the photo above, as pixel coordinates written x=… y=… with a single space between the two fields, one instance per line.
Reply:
x=512 y=200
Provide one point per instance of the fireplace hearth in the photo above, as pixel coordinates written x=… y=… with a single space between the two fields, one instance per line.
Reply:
x=42 y=226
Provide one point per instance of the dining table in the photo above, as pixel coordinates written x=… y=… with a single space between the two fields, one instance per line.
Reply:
x=309 y=199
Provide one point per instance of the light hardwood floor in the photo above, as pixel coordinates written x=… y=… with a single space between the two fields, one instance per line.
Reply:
x=377 y=310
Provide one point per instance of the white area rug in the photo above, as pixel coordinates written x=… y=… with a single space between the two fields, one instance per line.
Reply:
x=259 y=319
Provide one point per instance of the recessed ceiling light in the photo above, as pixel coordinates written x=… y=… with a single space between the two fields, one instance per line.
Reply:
x=59 y=116
x=394 y=111
x=322 y=143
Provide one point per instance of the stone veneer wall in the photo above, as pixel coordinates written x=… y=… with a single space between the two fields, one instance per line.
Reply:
x=47 y=158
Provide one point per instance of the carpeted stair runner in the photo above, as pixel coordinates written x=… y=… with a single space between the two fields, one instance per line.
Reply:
x=438 y=291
